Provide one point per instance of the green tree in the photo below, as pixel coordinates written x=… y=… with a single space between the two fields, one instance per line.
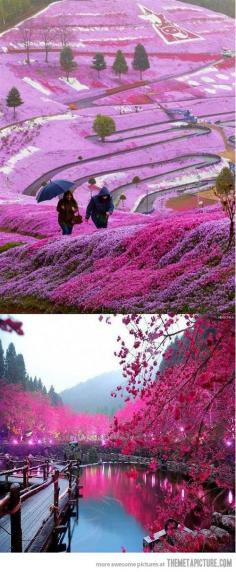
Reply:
x=54 y=397
x=225 y=192
x=99 y=63
x=136 y=180
x=2 y=361
x=104 y=126
x=67 y=60
x=20 y=370
x=140 y=61
x=14 y=99
x=10 y=364
x=120 y=64
x=123 y=199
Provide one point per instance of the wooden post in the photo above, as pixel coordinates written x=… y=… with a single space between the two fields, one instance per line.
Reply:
x=26 y=475
x=70 y=466
x=15 y=515
x=44 y=472
x=56 y=495
x=47 y=468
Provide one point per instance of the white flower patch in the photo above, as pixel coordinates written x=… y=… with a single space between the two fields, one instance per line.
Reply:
x=30 y=123
x=8 y=168
x=209 y=90
x=207 y=79
x=192 y=82
x=226 y=87
x=222 y=76
x=75 y=83
x=37 y=85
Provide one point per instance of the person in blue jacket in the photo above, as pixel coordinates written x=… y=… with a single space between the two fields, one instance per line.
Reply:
x=99 y=208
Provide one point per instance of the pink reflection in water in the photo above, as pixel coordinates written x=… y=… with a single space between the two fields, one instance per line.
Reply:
x=141 y=497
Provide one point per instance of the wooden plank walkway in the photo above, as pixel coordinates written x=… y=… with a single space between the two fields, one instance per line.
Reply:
x=34 y=480
x=34 y=512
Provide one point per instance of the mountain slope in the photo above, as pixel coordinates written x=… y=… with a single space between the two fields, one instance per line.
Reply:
x=94 y=395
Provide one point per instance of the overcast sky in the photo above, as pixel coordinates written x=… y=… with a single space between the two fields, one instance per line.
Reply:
x=67 y=349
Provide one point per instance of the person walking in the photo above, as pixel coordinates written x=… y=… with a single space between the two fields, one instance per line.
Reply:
x=100 y=207
x=67 y=208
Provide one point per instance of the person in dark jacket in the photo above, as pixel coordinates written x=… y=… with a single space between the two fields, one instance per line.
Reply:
x=99 y=208
x=67 y=207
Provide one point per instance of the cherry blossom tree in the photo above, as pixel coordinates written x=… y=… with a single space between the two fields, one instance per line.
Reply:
x=183 y=411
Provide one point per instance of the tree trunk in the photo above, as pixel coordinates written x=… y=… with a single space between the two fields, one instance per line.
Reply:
x=98 y=73
x=14 y=114
x=231 y=235
x=46 y=56
x=141 y=74
x=28 y=55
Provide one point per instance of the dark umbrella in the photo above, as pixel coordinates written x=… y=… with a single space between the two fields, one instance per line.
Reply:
x=53 y=189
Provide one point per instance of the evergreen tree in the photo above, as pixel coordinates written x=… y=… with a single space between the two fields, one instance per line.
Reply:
x=10 y=364
x=14 y=99
x=2 y=361
x=54 y=397
x=99 y=63
x=120 y=64
x=20 y=370
x=140 y=61
x=30 y=384
x=40 y=385
x=67 y=60
x=104 y=125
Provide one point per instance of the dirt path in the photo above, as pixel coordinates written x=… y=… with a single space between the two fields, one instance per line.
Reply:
x=34 y=187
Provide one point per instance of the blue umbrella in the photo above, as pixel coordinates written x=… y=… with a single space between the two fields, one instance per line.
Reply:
x=53 y=189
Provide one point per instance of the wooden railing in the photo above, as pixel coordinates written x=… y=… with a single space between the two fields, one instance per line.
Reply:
x=12 y=502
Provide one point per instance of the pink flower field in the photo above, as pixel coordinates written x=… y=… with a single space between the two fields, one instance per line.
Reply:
x=151 y=257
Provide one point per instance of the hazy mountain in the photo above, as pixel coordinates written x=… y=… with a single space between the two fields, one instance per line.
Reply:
x=94 y=395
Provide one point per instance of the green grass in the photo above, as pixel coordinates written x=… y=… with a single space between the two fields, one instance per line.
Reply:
x=12 y=20
x=9 y=245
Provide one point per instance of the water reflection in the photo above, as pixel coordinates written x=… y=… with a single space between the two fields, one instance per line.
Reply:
x=119 y=502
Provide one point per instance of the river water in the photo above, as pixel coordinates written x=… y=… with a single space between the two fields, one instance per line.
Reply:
x=117 y=508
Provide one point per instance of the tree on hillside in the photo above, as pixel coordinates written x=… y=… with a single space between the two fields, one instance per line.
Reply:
x=27 y=34
x=20 y=370
x=120 y=65
x=136 y=180
x=47 y=33
x=10 y=364
x=225 y=191
x=67 y=60
x=63 y=31
x=140 y=61
x=2 y=361
x=99 y=63
x=123 y=199
x=104 y=126
x=54 y=397
x=14 y=99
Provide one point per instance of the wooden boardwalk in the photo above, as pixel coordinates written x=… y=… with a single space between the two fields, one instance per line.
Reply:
x=34 y=512
x=34 y=479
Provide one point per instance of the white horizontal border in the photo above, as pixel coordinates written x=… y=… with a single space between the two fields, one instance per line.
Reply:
x=114 y=561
